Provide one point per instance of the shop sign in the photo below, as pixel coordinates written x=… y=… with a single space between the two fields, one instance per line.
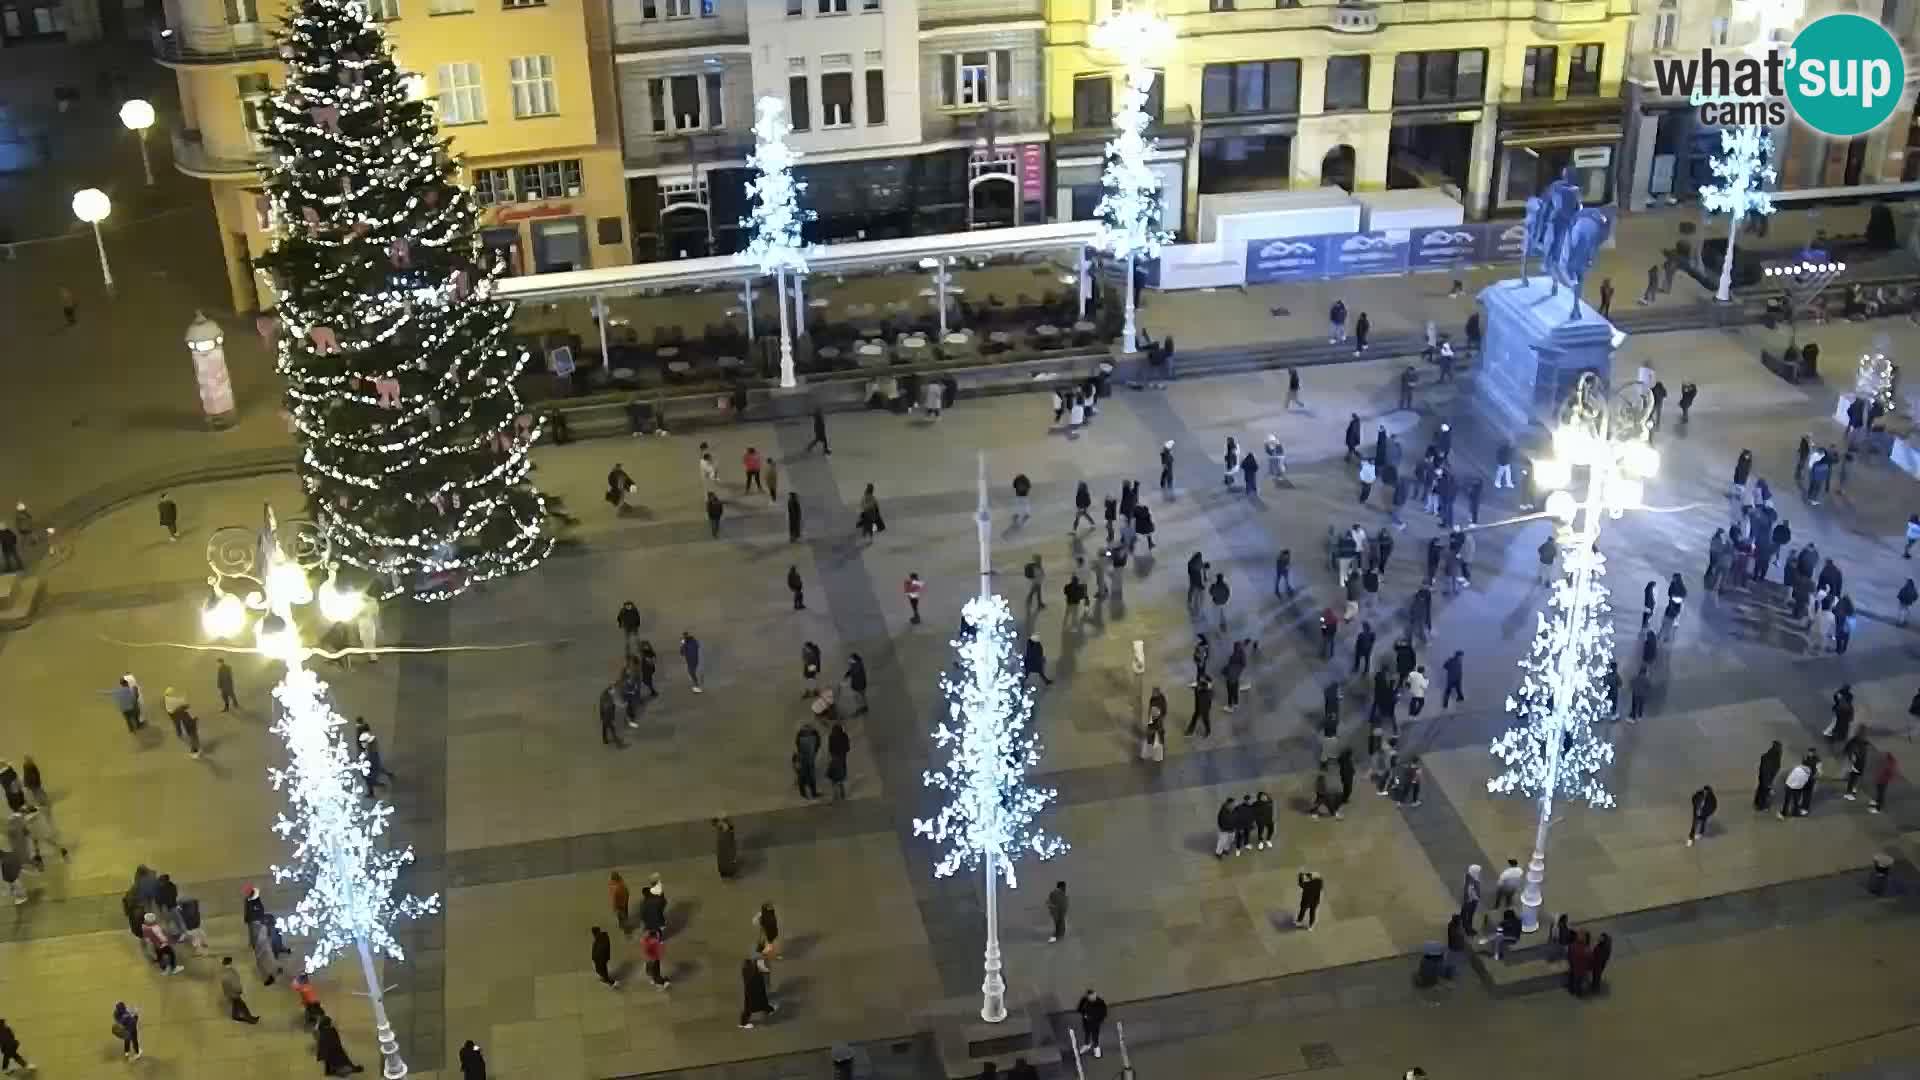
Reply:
x=1033 y=172
x=1592 y=157
x=1369 y=253
x=507 y=215
x=1441 y=246
x=1295 y=258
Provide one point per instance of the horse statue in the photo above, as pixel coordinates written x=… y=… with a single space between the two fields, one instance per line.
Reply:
x=1584 y=239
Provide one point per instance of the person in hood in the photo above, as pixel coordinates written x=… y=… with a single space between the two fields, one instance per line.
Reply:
x=653 y=906
x=1705 y=802
x=473 y=1064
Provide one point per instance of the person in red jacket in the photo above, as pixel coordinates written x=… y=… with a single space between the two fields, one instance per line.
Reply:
x=655 y=952
x=1883 y=775
x=1579 y=957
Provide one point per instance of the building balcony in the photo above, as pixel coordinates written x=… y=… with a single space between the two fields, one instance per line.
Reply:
x=982 y=126
x=238 y=43
x=1550 y=15
x=1353 y=18
x=1173 y=128
x=194 y=157
x=690 y=151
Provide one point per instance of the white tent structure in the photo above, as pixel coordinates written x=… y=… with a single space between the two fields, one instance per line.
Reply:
x=648 y=278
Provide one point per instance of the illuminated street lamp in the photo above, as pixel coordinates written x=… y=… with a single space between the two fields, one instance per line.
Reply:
x=349 y=877
x=92 y=206
x=1554 y=749
x=138 y=116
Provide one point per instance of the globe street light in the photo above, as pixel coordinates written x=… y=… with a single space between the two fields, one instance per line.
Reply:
x=1554 y=751
x=92 y=206
x=349 y=876
x=138 y=116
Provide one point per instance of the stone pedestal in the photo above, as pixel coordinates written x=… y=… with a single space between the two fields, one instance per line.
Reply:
x=965 y=1042
x=1535 y=348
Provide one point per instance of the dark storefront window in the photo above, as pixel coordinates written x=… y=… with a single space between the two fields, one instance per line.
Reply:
x=1244 y=163
x=1434 y=78
x=1092 y=101
x=1347 y=82
x=1538 y=74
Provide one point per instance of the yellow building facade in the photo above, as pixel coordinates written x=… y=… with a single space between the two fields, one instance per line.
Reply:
x=1489 y=99
x=524 y=89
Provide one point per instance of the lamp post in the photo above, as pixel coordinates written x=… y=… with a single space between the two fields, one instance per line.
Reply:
x=1130 y=209
x=138 y=116
x=942 y=279
x=92 y=206
x=1607 y=436
x=349 y=901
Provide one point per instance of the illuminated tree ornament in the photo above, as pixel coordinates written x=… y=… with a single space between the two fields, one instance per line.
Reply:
x=399 y=370
x=1874 y=381
x=1129 y=209
x=1742 y=173
x=775 y=221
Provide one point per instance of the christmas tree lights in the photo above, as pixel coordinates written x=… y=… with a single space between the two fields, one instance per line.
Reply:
x=989 y=818
x=774 y=224
x=1129 y=209
x=1741 y=175
x=399 y=370
x=1873 y=383
x=1560 y=698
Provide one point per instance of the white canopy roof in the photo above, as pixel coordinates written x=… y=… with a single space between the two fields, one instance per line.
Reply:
x=720 y=269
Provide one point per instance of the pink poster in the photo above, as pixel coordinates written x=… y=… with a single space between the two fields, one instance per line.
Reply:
x=1033 y=172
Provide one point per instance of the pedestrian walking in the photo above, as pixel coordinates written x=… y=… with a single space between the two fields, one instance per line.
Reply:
x=1454 y=668
x=649 y=664
x=1549 y=551
x=750 y=463
x=619 y=487
x=367 y=746
x=793 y=517
x=331 y=1051
x=1202 y=706
x=473 y=1064
x=773 y=479
x=1166 y=466
x=1367 y=476
x=1343 y=765
x=806 y=751
x=856 y=679
x=690 y=652
x=1323 y=796
x=1220 y=592
x=1312 y=886
x=766 y=922
x=1416 y=692
x=1470 y=896
x=1705 y=802
x=1883 y=774
x=1110 y=509
x=1337 y=322
x=1769 y=768
x=1093 y=1014
x=223 y=681
x=1231 y=673
x=1640 y=689
x=1688 y=392
x=602 y=957
x=914 y=588
x=653 y=906
x=654 y=951
x=622 y=901
x=1363 y=650
x=715 y=509
x=726 y=849
x=1353 y=437
x=1854 y=753
x=1606 y=296
x=1057 y=910
x=1082 y=507
x=755 y=1000
x=1676 y=597
x=1034 y=661
x=1283 y=572
x=1653 y=285
x=10 y=1050
x=1842 y=723
x=797 y=588
x=1143 y=525
x=1796 y=799
x=1022 y=504
x=157 y=941
x=126 y=698
x=1579 y=963
x=1361 y=328
x=1293 y=389
x=1906 y=597
x=126 y=1028
x=169 y=516
x=1598 y=959
x=186 y=726
x=230 y=987
x=819 y=433
x=839 y=745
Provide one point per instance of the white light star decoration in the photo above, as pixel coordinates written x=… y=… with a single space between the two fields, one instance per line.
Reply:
x=349 y=877
x=776 y=218
x=1742 y=174
x=1560 y=697
x=990 y=805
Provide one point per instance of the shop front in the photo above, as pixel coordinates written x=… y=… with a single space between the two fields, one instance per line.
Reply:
x=1536 y=143
x=1079 y=163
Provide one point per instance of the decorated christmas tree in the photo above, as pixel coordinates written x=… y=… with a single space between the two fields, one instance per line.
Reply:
x=774 y=223
x=398 y=366
x=1874 y=382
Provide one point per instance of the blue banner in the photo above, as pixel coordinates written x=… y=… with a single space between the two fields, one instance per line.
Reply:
x=1368 y=253
x=1502 y=241
x=1445 y=246
x=1297 y=258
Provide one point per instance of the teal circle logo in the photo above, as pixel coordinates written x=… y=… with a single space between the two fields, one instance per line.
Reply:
x=1845 y=75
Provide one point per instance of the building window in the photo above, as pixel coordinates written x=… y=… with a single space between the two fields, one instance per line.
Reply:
x=256 y=98
x=1665 y=25
x=449 y=7
x=657 y=104
x=1256 y=86
x=715 y=94
x=876 y=97
x=548 y=179
x=801 y=113
x=383 y=10
x=1431 y=78
x=679 y=9
x=684 y=92
x=492 y=186
x=1219 y=5
x=974 y=80
x=1583 y=76
x=1092 y=101
x=1720 y=30
x=869 y=5
x=833 y=7
x=795 y=8
x=1538 y=73
x=1346 y=82
x=461 y=99
x=533 y=86
x=836 y=99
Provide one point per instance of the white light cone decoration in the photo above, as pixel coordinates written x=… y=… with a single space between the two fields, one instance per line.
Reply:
x=774 y=223
x=1742 y=174
x=989 y=818
x=1554 y=749
x=1129 y=210
x=348 y=877
x=1873 y=383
